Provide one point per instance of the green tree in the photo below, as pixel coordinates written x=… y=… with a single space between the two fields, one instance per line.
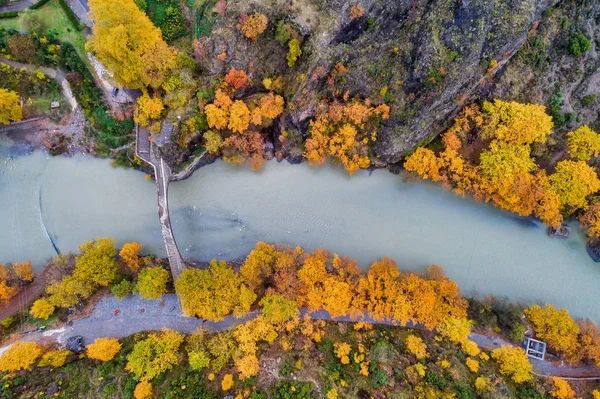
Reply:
x=278 y=309
x=154 y=355
x=152 y=282
x=97 y=263
x=213 y=293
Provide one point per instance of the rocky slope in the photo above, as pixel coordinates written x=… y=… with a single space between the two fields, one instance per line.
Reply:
x=426 y=59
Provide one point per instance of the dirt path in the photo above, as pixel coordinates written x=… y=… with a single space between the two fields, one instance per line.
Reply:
x=120 y=318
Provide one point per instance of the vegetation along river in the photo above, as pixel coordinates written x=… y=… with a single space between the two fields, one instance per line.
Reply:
x=222 y=211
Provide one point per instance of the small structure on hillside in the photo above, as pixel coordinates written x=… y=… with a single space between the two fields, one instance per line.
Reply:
x=535 y=349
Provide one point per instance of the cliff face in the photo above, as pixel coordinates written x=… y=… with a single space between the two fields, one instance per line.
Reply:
x=426 y=59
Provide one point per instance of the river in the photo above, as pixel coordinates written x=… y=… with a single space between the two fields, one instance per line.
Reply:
x=222 y=211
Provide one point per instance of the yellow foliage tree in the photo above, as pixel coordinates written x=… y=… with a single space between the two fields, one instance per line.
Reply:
x=96 y=263
x=23 y=271
x=42 y=309
x=513 y=363
x=342 y=351
x=10 y=109
x=152 y=282
x=277 y=309
x=154 y=355
x=573 y=181
x=125 y=40
x=247 y=366
x=227 y=382
x=239 y=117
x=584 y=143
x=20 y=356
x=103 y=349
x=416 y=346
x=55 y=358
x=424 y=163
x=472 y=364
x=148 y=108
x=130 y=255
x=561 y=389
x=516 y=123
x=143 y=390
x=556 y=327
x=213 y=293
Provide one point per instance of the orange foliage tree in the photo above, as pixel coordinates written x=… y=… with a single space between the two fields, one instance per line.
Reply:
x=504 y=172
x=130 y=255
x=238 y=123
x=23 y=271
x=344 y=131
x=253 y=25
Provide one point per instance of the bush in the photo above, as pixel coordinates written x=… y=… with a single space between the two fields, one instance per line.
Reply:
x=286 y=368
x=588 y=100
x=292 y=390
x=8 y=15
x=579 y=44
x=7 y=322
x=122 y=289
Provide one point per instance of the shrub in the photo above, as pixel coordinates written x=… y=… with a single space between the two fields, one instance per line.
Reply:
x=7 y=322
x=122 y=289
x=588 y=100
x=294 y=52
x=143 y=390
x=579 y=44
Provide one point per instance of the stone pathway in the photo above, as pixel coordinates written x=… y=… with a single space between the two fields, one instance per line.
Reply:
x=121 y=318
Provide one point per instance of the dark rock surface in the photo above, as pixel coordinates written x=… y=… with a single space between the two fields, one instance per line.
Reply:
x=433 y=56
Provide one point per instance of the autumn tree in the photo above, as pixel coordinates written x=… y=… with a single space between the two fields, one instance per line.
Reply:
x=556 y=327
x=148 y=108
x=213 y=293
x=561 y=389
x=424 y=163
x=516 y=123
x=513 y=362
x=236 y=78
x=125 y=40
x=23 y=271
x=344 y=131
x=154 y=355
x=42 y=309
x=20 y=356
x=278 y=309
x=10 y=109
x=143 y=390
x=69 y=291
x=152 y=282
x=7 y=290
x=130 y=255
x=573 y=181
x=253 y=25
x=590 y=222
x=96 y=263
x=227 y=382
x=416 y=346
x=584 y=143
x=259 y=265
x=103 y=349
x=589 y=341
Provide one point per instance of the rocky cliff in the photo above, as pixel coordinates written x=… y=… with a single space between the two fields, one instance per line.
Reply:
x=426 y=59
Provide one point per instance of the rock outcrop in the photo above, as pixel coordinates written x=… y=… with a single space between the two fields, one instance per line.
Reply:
x=425 y=58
